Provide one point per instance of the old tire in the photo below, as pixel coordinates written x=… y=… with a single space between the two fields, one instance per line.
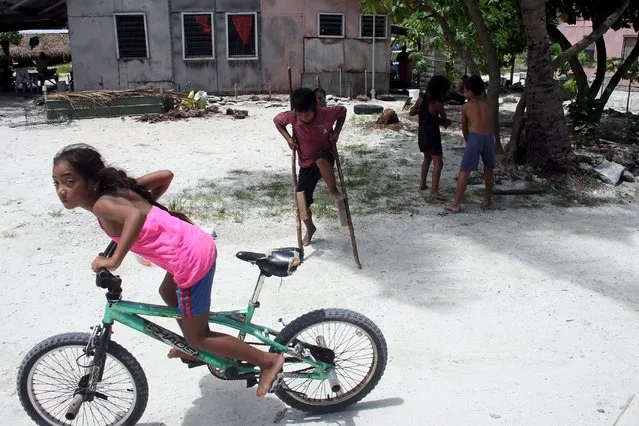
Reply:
x=294 y=332
x=369 y=109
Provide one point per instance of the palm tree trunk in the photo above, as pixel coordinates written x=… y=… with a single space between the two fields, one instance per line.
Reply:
x=494 y=70
x=546 y=138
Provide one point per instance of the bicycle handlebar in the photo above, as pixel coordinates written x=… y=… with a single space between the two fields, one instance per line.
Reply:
x=104 y=278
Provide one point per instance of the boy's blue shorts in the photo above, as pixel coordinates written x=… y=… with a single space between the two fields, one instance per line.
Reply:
x=478 y=146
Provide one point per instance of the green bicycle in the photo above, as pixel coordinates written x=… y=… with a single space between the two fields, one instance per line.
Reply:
x=333 y=357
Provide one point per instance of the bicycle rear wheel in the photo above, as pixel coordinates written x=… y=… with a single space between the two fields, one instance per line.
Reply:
x=57 y=368
x=360 y=359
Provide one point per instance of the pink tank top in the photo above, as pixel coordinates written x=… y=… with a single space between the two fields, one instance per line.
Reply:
x=183 y=250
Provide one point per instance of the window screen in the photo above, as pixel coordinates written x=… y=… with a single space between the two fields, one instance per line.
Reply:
x=241 y=35
x=367 y=26
x=331 y=25
x=131 y=36
x=628 y=44
x=197 y=30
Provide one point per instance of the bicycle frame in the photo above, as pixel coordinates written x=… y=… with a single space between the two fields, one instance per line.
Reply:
x=129 y=313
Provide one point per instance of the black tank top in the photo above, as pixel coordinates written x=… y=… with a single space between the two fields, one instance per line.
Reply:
x=428 y=123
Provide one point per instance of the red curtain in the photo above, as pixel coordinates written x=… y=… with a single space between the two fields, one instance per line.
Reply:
x=203 y=20
x=243 y=25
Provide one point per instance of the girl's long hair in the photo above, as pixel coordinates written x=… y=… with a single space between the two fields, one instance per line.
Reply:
x=88 y=163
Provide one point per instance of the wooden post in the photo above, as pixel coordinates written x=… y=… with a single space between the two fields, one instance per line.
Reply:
x=298 y=221
x=347 y=211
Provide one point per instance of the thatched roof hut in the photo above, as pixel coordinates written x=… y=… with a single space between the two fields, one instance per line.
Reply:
x=56 y=46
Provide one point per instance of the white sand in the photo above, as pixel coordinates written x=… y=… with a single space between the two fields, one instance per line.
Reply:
x=529 y=315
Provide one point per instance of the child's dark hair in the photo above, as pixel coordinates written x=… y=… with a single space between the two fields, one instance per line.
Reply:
x=303 y=100
x=475 y=84
x=438 y=87
x=88 y=163
x=320 y=90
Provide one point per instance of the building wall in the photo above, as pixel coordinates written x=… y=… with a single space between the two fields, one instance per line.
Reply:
x=287 y=37
x=613 y=39
x=93 y=45
x=310 y=56
x=219 y=75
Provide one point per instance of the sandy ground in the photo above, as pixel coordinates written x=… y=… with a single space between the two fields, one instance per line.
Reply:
x=523 y=315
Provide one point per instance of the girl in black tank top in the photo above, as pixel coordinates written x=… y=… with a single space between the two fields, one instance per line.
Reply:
x=430 y=110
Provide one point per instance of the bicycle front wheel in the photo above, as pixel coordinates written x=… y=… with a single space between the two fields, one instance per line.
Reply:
x=360 y=356
x=57 y=368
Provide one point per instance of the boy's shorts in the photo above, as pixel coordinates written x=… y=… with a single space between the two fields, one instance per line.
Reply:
x=309 y=176
x=194 y=300
x=478 y=146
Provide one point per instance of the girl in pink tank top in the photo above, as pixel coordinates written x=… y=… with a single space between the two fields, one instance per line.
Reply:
x=128 y=212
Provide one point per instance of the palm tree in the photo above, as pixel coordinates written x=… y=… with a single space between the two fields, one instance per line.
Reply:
x=546 y=143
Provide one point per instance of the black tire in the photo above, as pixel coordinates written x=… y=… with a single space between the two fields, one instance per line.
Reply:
x=74 y=340
x=368 y=109
x=378 y=343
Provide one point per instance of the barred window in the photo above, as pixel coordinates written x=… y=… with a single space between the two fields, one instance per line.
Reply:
x=197 y=35
x=131 y=36
x=330 y=24
x=629 y=43
x=366 y=26
x=241 y=35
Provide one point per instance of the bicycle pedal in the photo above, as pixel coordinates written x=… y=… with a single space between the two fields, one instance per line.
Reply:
x=276 y=383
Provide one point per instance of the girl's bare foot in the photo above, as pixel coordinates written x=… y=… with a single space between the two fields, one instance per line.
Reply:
x=309 y=235
x=454 y=208
x=437 y=196
x=487 y=203
x=176 y=353
x=268 y=376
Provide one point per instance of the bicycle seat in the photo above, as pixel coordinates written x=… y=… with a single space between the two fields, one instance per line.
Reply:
x=280 y=262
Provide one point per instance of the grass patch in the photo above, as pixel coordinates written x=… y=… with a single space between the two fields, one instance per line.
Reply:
x=56 y=213
x=64 y=68
x=243 y=195
x=9 y=234
x=375 y=180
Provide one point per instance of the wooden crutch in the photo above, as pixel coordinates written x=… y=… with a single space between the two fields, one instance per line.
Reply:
x=296 y=194
x=345 y=212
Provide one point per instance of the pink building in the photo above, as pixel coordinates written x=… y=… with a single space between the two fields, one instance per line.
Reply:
x=618 y=43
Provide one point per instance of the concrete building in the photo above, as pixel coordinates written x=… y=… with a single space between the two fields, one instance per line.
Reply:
x=618 y=43
x=221 y=45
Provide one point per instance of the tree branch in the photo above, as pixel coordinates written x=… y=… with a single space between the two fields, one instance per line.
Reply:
x=618 y=75
x=494 y=70
x=589 y=39
x=602 y=56
x=577 y=69
x=449 y=35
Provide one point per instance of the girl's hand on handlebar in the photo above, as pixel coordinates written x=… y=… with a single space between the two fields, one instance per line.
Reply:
x=108 y=263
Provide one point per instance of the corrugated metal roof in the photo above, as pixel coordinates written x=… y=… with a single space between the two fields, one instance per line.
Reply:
x=32 y=14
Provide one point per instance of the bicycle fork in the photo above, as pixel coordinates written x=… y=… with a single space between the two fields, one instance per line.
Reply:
x=86 y=391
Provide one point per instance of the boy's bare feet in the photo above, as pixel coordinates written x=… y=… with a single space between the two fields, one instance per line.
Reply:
x=437 y=196
x=268 y=376
x=453 y=208
x=487 y=203
x=176 y=353
x=423 y=187
x=309 y=235
x=337 y=196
